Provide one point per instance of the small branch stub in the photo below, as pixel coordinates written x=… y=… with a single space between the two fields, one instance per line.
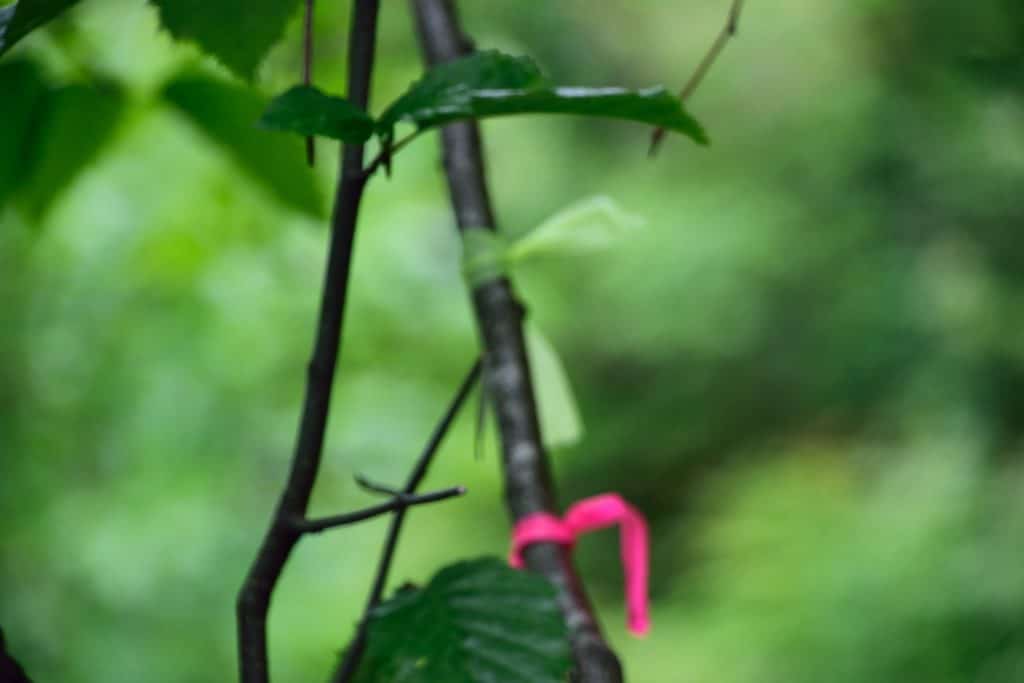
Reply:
x=732 y=24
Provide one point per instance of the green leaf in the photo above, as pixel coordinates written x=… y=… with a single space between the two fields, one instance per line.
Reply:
x=308 y=111
x=445 y=93
x=237 y=32
x=654 y=106
x=226 y=113
x=74 y=124
x=587 y=225
x=475 y=622
x=560 y=421
x=49 y=136
x=21 y=18
x=494 y=84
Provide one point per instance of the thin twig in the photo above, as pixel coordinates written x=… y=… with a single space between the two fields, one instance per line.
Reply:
x=373 y=487
x=354 y=653
x=529 y=487
x=307 y=71
x=398 y=502
x=732 y=23
x=254 y=597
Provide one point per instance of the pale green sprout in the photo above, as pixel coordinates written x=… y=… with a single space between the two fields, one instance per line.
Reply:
x=589 y=225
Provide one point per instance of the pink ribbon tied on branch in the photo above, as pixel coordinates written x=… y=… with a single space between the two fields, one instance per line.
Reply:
x=591 y=514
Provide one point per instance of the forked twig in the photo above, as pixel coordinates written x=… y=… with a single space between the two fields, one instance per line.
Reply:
x=354 y=653
x=732 y=23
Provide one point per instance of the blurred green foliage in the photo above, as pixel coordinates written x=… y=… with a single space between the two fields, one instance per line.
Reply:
x=808 y=369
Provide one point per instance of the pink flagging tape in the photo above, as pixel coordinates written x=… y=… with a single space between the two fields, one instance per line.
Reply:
x=591 y=514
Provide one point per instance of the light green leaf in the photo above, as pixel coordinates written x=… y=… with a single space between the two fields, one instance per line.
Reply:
x=475 y=622
x=587 y=225
x=21 y=18
x=308 y=111
x=560 y=421
x=490 y=84
x=237 y=32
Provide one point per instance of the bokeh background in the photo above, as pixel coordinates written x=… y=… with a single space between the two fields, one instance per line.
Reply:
x=808 y=369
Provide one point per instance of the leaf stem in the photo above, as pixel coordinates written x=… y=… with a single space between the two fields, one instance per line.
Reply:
x=388 y=152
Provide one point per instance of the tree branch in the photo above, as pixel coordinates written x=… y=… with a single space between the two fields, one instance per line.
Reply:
x=528 y=483
x=350 y=663
x=254 y=597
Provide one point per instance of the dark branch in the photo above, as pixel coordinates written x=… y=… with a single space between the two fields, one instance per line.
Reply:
x=347 y=669
x=528 y=483
x=281 y=537
x=399 y=502
x=307 y=70
x=10 y=670
x=732 y=24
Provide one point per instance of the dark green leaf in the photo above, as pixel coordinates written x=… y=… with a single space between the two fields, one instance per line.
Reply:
x=654 y=106
x=73 y=126
x=20 y=114
x=449 y=88
x=237 y=32
x=308 y=111
x=492 y=84
x=227 y=114
x=1004 y=71
x=475 y=622
x=21 y=18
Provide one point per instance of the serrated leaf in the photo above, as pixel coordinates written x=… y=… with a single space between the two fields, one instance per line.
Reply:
x=587 y=225
x=74 y=124
x=308 y=111
x=227 y=114
x=560 y=421
x=239 y=33
x=475 y=622
x=491 y=84
x=21 y=18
